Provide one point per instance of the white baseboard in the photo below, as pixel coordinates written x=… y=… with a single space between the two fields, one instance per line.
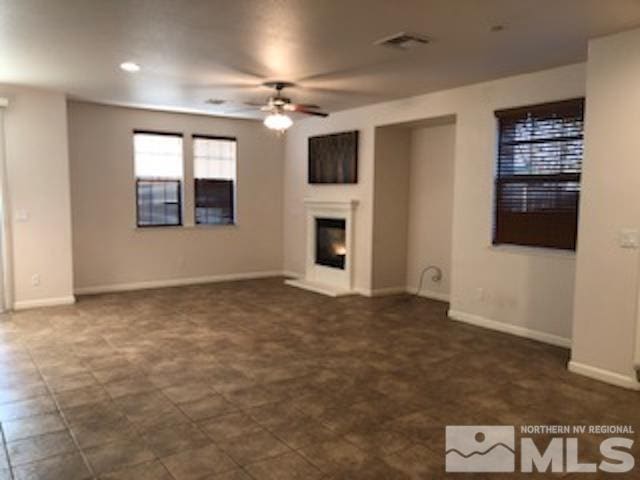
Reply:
x=483 y=322
x=44 y=302
x=602 y=375
x=430 y=294
x=381 y=292
x=328 y=290
x=291 y=274
x=175 y=282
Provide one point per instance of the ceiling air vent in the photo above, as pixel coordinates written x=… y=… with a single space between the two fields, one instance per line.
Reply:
x=403 y=41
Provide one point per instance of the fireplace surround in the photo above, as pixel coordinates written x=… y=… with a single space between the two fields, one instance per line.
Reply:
x=330 y=248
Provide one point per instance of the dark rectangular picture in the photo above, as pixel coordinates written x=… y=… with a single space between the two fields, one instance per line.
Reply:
x=334 y=158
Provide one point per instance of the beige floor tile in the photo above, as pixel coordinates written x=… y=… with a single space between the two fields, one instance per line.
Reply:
x=67 y=467
x=145 y=471
x=253 y=447
x=362 y=387
x=117 y=455
x=189 y=392
x=290 y=466
x=199 y=463
x=229 y=426
x=166 y=441
x=32 y=426
x=27 y=408
x=82 y=396
x=207 y=407
x=38 y=448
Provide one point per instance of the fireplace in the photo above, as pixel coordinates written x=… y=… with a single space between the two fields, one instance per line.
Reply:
x=330 y=247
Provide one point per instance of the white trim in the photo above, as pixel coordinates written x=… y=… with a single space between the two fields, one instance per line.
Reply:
x=606 y=376
x=6 y=237
x=430 y=294
x=44 y=302
x=338 y=204
x=292 y=274
x=381 y=292
x=484 y=322
x=533 y=251
x=332 y=279
x=315 y=287
x=636 y=344
x=174 y=282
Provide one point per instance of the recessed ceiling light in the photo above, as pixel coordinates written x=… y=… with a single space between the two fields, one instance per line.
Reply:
x=130 y=67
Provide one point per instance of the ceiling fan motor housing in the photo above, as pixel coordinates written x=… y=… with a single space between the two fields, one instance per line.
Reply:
x=279 y=85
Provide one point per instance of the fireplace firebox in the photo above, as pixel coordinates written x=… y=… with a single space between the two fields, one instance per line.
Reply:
x=331 y=242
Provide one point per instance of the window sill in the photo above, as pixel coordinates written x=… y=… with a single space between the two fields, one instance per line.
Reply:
x=185 y=227
x=205 y=226
x=533 y=251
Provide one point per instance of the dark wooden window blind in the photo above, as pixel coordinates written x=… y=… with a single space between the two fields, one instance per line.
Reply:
x=540 y=153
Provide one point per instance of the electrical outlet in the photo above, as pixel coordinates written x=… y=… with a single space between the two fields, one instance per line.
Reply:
x=22 y=216
x=629 y=238
x=35 y=280
x=480 y=294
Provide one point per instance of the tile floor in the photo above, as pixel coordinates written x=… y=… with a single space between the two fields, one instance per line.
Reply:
x=256 y=380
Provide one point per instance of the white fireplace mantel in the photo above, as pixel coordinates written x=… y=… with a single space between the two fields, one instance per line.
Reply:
x=320 y=278
x=338 y=204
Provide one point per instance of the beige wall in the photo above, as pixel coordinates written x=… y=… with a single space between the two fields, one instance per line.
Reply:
x=37 y=164
x=431 y=207
x=110 y=252
x=524 y=291
x=607 y=275
x=390 y=207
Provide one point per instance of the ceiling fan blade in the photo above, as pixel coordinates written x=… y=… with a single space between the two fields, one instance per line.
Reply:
x=254 y=104
x=306 y=106
x=311 y=112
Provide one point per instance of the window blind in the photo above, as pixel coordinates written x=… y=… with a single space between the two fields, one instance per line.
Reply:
x=214 y=176
x=214 y=201
x=158 y=171
x=540 y=152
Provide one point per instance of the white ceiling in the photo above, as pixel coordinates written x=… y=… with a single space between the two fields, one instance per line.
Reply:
x=192 y=50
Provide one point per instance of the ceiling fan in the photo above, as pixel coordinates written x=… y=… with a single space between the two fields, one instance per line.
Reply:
x=277 y=106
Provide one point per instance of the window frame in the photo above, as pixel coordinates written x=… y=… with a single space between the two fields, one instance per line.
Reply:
x=234 y=196
x=564 y=109
x=136 y=180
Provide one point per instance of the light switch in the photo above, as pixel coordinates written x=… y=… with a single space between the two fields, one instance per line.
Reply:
x=629 y=238
x=22 y=216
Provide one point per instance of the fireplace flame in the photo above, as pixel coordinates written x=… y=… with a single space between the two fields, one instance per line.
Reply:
x=340 y=250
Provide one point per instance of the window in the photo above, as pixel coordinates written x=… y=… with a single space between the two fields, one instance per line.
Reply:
x=215 y=176
x=538 y=175
x=158 y=171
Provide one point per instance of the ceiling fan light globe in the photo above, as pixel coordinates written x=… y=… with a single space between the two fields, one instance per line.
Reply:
x=278 y=121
